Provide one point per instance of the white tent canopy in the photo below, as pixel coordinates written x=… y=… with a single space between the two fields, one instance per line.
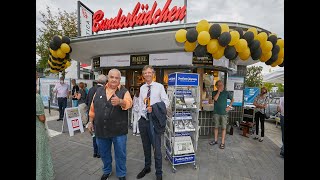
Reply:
x=276 y=76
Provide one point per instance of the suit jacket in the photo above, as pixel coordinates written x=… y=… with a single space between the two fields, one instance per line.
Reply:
x=158 y=116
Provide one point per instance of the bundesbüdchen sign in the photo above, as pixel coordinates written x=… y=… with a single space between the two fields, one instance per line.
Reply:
x=137 y=17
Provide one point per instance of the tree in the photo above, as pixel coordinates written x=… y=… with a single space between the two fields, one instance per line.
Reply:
x=63 y=24
x=253 y=76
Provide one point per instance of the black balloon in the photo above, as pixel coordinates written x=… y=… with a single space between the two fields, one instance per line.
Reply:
x=235 y=56
x=248 y=36
x=272 y=59
x=230 y=52
x=255 y=44
x=67 y=56
x=224 y=39
x=256 y=54
x=215 y=31
x=70 y=49
x=200 y=51
x=53 y=46
x=273 y=39
x=57 y=41
x=65 y=39
x=192 y=35
x=275 y=49
x=240 y=31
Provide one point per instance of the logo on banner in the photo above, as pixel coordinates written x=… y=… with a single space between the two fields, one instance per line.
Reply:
x=75 y=123
x=84 y=13
x=145 y=17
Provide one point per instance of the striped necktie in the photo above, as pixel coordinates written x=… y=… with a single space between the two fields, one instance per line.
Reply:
x=148 y=95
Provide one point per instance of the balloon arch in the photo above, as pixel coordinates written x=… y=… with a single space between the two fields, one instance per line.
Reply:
x=219 y=40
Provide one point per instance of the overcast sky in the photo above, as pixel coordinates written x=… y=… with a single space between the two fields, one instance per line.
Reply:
x=267 y=14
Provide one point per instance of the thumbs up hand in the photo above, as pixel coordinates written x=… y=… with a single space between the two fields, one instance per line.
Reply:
x=115 y=100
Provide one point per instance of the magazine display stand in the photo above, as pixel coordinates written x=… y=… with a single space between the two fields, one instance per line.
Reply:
x=182 y=129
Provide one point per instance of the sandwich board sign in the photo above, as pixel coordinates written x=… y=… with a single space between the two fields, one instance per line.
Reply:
x=72 y=118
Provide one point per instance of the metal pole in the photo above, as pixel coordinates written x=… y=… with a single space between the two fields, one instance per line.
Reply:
x=49 y=106
x=185 y=18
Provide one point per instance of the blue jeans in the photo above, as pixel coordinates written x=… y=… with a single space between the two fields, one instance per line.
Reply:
x=95 y=146
x=120 y=153
x=62 y=103
x=150 y=138
x=282 y=131
x=74 y=103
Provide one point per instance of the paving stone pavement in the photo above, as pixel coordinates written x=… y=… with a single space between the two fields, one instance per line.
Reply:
x=242 y=159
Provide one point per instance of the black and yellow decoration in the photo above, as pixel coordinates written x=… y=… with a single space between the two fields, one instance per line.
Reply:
x=60 y=50
x=219 y=40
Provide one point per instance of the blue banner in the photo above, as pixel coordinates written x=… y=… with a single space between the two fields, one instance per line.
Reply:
x=183 y=79
x=250 y=93
x=183 y=159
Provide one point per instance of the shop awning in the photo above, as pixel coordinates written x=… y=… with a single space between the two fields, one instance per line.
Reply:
x=276 y=76
x=137 y=41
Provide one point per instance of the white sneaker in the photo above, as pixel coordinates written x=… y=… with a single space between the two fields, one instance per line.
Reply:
x=134 y=134
x=261 y=139
x=138 y=134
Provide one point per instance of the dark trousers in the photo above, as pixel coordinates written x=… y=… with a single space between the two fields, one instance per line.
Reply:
x=259 y=116
x=146 y=137
x=95 y=146
x=62 y=103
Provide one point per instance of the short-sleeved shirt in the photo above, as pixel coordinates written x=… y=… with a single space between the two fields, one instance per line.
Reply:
x=261 y=100
x=221 y=103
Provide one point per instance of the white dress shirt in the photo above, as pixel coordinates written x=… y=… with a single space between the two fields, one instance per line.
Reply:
x=62 y=90
x=157 y=94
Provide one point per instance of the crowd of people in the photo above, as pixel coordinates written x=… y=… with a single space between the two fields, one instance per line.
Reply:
x=104 y=111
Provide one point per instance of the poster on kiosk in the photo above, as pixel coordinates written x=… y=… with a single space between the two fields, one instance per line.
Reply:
x=72 y=119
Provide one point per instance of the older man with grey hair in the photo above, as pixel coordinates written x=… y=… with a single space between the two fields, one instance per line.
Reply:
x=109 y=114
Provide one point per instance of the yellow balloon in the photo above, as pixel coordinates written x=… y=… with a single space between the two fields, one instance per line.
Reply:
x=213 y=46
x=241 y=45
x=235 y=37
x=278 y=61
x=254 y=30
x=265 y=56
x=50 y=50
x=189 y=47
x=53 y=71
x=181 y=35
x=65 y=48
x=280 y=43
x=281 y=53
x=203 y=38
x=219 y=53
x=262 y=37
x=54 y=54
x=244 y=55
x=203 y=25
x=68 y=63
x=60 y=53
x=266 y=47
x=224 y=28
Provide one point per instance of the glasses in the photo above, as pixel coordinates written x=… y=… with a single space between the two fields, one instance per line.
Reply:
x=114 y=77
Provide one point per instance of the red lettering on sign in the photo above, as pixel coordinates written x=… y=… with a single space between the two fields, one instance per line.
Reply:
x=135 y=18
x=75 y=123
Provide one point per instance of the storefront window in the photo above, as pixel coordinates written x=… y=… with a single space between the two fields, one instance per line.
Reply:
x=210 y=77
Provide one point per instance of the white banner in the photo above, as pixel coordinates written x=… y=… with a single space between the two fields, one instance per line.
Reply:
x=235 y=85
x=111 y=61
x=223 y=62
x=85 y=21
x=167 y=59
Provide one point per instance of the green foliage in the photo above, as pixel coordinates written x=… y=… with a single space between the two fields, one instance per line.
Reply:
x=270 y=85
x=63 y=24
x=253 y=76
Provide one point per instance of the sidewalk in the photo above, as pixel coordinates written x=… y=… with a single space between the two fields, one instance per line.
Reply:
x=243 y=158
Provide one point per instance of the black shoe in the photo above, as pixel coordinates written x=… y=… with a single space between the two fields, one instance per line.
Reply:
x=95 y=155
x=122 y=178
x=282 y=154
x=60 y=119
x=105 y=176
x=98 y=155
x=143 y=173
x=159 y=177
